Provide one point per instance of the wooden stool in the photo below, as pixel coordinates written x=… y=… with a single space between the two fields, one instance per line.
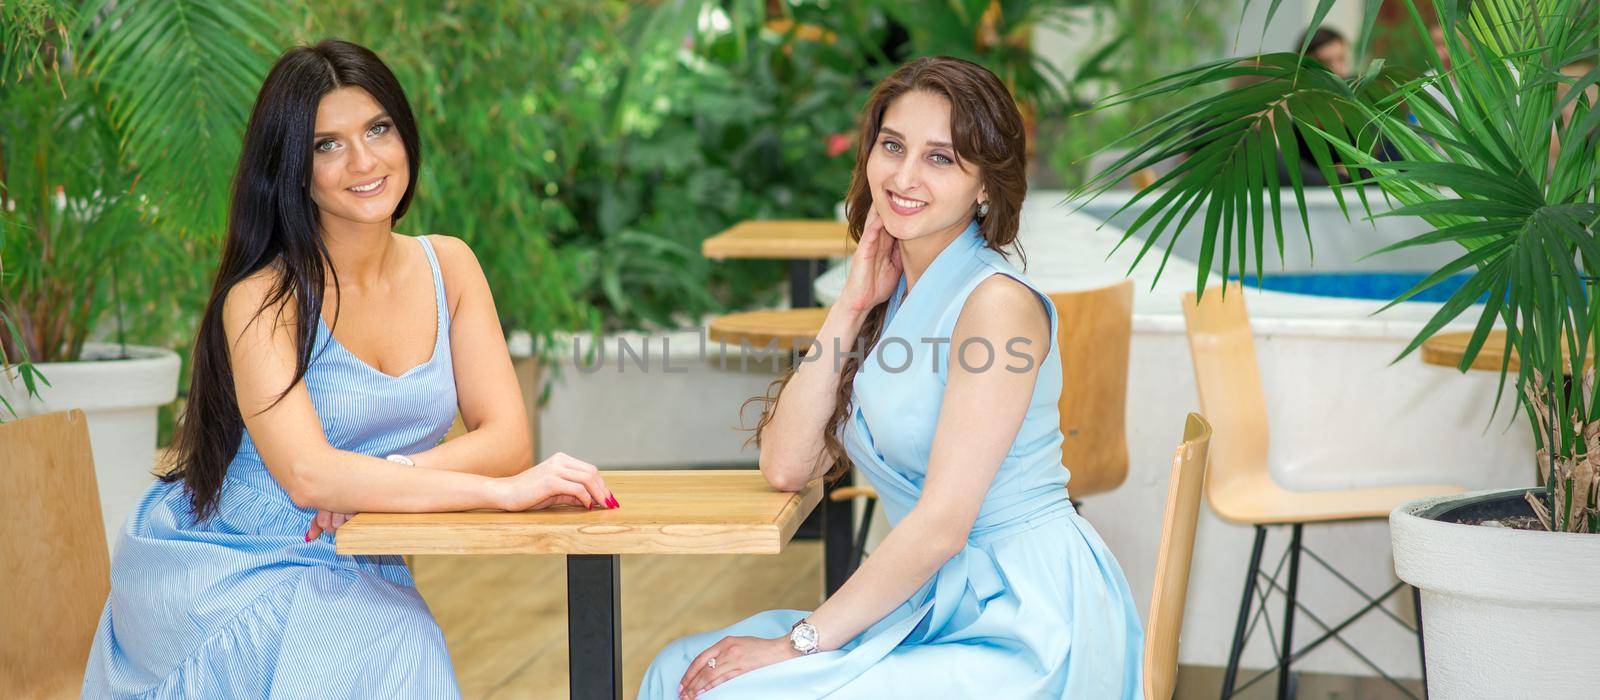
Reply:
x=1093 y=335
x=53 y=550
x=1173 y=557
x=781 y=329
x=1241 y=489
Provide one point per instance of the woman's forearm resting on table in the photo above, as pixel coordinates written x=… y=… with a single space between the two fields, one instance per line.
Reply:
x=501 y=448
x=792 y=448
x=346 y=482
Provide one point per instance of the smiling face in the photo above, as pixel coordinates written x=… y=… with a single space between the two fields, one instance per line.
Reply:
x=919 y=187
x=359 y=170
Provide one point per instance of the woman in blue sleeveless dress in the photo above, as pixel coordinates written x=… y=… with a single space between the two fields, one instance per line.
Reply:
x=224 y=581
x=990 y=585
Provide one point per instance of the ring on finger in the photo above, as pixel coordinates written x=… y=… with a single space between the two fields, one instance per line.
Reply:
x=711 y=662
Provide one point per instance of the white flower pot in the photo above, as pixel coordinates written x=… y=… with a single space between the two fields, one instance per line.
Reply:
x=120 y=398
x=1506 y=613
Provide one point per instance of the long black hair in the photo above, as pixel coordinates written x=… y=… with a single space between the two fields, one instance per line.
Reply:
x=273 y=221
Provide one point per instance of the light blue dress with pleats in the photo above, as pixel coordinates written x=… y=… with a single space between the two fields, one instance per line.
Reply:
x=241 y=606
x=1034 y=606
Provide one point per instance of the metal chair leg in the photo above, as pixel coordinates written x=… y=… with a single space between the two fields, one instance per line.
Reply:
x=1288 y=614
x=1237 y=648
x=860 y=547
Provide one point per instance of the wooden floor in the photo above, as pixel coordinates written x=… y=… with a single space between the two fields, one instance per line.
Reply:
x=505 y=618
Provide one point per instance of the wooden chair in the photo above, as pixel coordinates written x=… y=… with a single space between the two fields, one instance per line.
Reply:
x=1095 y=330
x=53 y=556
x=1241 y=489
x=1172 y=560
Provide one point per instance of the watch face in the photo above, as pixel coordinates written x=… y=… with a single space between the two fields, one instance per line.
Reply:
x=804 y=636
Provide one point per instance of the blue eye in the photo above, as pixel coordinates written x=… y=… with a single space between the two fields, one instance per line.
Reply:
x=378 y=129
x=325 y=146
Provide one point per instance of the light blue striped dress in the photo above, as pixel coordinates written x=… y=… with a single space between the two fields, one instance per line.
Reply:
x=241 y=606
x=1034 y=606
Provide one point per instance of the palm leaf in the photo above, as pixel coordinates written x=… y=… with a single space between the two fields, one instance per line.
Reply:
x=179 y=77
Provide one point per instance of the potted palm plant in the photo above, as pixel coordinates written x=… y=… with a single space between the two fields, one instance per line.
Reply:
x=1493 y=142
x=119 y=124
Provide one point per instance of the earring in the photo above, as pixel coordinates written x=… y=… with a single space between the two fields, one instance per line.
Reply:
x=983 y=209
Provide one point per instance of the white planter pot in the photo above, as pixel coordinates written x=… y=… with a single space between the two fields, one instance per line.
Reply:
x=120 y=398
x=1506 y=613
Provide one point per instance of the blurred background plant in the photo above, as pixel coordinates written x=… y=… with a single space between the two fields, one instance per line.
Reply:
x=585 y=171
x=119 y=130
x=1134 y=41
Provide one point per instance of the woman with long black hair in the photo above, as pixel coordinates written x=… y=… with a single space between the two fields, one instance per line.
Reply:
x=332 y=358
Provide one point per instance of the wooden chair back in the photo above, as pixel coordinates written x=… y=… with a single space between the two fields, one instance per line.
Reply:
x=1096 y=326
x=53 y=557
x=1231 y=397
x=1172 y=560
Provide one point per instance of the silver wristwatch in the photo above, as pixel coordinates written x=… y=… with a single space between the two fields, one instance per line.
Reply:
x=803 y=637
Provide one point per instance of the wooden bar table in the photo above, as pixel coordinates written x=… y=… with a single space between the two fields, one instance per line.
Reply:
x=806 y=244
x=1448 y=348
x=663 y=512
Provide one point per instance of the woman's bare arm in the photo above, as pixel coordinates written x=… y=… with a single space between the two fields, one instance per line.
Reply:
x=498 y=441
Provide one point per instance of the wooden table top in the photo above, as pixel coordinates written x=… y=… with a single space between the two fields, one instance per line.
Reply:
x=781 y=240
x=1448 y=348
x=663 y=512
x=791 y=328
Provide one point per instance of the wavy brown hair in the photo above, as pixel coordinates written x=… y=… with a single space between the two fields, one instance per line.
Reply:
x=987 y=133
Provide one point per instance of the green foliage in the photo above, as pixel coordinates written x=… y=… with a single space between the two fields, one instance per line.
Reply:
x=997 y=35
x=737 y=128
x=585 y=171
x=1142 y=42
x=1483 y=153
x=119 y=125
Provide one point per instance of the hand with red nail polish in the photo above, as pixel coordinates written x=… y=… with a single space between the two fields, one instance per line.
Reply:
x=325 y=521
x=560 y=480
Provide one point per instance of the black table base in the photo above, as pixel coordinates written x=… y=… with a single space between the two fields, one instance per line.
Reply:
x=594 y=626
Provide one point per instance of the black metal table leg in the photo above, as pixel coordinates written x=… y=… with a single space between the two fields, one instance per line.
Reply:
x=802 y=277
x=835 y=521
x=594 y=626
x=838 y=525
